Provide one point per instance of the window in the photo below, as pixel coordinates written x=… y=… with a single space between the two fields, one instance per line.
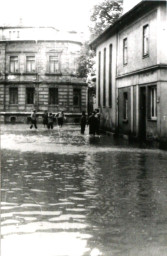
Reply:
x=30 y=95
x=125 y=105
x=30 y=63
x=14 y=64
x=13 y=95
x=110 y=75
x=77 y=97
x=18 y=34
x=125 y=51
x=53 y=96
x=104 y=79
x=54 y=64
x=146 y=40
x=153 y=102
x=99 y=77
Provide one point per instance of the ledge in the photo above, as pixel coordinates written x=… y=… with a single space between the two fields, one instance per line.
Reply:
x=53 y=74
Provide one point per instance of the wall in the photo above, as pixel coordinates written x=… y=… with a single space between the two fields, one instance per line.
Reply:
x=108 y=113
x=65 y=80
x=134 y=34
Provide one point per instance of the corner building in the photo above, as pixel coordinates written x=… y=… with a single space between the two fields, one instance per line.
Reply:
x=38 y=70
x=132 y=72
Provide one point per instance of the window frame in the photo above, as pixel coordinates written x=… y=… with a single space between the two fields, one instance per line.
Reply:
x=31 y=64
x=79 y=97
x=125 y=106
x=146 y=40
x=27 y=101
x=56 y=99
x=125 y=51
x=11 y=97
x=152 y=102
x=15 y=63
x=55 y=71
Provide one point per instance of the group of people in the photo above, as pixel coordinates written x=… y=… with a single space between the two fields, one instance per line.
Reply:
x=93 y=121
x=48 y=119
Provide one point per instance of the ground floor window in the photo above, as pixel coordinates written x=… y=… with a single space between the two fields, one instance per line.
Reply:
x=77 y=97
x=153 y=102
x=13 y=95
x=125 y=105
x=53 y=96
x=30 y=95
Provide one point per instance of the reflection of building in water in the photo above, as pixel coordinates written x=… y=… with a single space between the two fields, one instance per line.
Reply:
x=38 y=70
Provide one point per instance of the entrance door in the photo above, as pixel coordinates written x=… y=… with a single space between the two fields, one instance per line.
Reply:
x=142 y=113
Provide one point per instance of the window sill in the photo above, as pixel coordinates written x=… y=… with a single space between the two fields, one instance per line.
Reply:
x=29 y=73
x=53 y=105
x=13 y=105
x=53 y=74
x=13 y=73
x=152 y=119
x=125 y=121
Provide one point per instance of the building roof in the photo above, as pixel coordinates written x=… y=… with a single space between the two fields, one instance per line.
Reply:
x=41 y=33
x=137 y=11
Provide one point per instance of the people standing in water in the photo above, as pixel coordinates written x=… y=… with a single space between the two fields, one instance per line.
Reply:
x=33 y=119
x=83 y=122
x=50 y=121
x=97 y=126
x=92 y=123
x=60 y=118
x=45 y=118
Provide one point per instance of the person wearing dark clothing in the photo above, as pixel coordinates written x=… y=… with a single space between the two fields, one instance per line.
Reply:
x=60 y=118
x=83 y=122
x=92 y=124
x=33 y=119
x=50 y=121
x=97 y=116
x=45 y=118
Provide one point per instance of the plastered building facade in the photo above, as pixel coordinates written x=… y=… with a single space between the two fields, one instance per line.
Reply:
x=38 y=70
x=132 y=72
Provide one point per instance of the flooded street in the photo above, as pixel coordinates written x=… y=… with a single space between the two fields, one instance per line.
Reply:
x=66 y=194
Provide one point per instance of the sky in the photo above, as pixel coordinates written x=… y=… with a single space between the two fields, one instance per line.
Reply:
x=62 y=14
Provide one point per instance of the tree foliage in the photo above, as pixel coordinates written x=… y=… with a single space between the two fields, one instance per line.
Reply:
x=103 y=15
x=85 y=61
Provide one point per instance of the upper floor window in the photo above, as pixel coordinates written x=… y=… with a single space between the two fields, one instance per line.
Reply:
x=54 y=65
x=13 y=95
x=77 y=97
x=153 y=102
x=53 y=96
x=14 y=64
x=30 y=63
x=125 y=51
x=146 y=40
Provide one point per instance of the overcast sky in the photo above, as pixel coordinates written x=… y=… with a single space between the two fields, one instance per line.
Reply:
x=64 y=14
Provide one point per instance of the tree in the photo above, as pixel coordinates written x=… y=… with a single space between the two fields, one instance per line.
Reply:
x=103 y=15
x=85 y=61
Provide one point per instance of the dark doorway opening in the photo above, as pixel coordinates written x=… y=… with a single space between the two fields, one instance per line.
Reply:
x=142 y=113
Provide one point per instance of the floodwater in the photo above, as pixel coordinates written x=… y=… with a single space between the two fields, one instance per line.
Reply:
x=66 y=194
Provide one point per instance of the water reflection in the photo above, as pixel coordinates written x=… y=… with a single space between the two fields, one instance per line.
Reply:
x=81 y=195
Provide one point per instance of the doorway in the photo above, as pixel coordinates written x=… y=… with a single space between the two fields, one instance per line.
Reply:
x=142 y=113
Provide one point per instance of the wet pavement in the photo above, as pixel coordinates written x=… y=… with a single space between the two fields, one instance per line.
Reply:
x=66 y=194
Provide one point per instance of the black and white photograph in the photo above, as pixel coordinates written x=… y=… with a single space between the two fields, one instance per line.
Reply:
x=83 y=127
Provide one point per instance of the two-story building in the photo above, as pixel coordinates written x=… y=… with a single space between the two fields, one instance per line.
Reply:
x=132 y=72
x=38 y=70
